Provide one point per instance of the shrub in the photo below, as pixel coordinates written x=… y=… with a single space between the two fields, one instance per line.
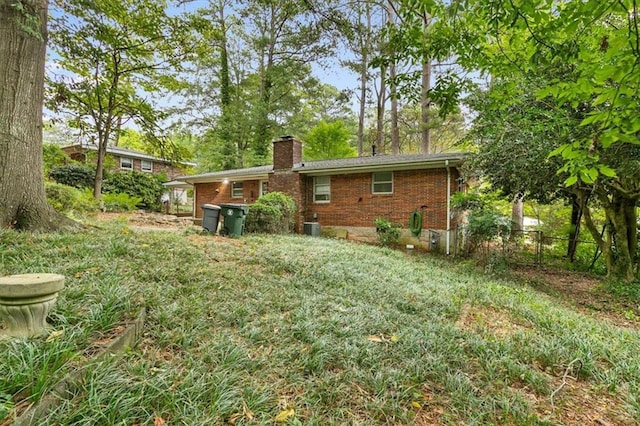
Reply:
x=120 y=202
x=76 y=175
x=485 y=226
x=468 y=201
x=66 y=198
x=273 y=213
x=388 y=232
x=147 y=187
x=53 y=156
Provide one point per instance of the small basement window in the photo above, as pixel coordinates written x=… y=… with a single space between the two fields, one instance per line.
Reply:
x=382 y=183
x=321 y=189
x=126 y=163
x=236 y=189
x=146 y=166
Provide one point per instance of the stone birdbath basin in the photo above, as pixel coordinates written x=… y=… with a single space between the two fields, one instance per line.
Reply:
x=25 y=301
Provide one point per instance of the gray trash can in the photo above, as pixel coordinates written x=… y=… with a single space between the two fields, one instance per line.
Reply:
x=210 y=217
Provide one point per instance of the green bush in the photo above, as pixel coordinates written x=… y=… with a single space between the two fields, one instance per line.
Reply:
x=66 y=198
x=147 y=187
x=76 y=175
x=468 y=201
x=120 y=202
x=53 y=156
x=388 y=232
x=487 y=225
x=273 y=213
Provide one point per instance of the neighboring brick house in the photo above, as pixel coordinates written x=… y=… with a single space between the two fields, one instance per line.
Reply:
x=347 y=193
x=126 y=159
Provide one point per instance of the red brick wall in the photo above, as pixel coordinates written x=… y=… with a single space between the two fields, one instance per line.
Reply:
x=205 y=193
x=157 y=168
x=293 y=184
x=78 y=154
x=353 y=204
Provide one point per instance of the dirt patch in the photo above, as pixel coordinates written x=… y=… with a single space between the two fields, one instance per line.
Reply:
x=147 y=220
x=578 y=403
x=571 y=401
x=581 y=291
x=488 y=319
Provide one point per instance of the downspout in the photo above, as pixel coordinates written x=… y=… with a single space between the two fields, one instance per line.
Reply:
x=194 y=213
x=446 y=164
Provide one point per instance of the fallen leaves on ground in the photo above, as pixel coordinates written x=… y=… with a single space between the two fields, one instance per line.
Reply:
x=284 y=415
x=382 y=338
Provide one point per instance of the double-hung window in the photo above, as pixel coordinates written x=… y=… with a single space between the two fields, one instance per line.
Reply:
x=236 y=189
x=382 y=183
x=146 y=166
x=126 y=163
x=321 y=189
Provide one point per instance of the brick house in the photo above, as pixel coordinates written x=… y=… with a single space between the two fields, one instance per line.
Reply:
x=346 y=194
x=127 y=160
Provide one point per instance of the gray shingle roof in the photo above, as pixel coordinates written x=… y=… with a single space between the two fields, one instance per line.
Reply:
x=355 y=164
x=225 y=174
x=381 y=160
x=123 y=152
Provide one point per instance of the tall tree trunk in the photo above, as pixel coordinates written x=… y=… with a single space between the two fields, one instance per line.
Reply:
x=425 y=106
x=574 y=230
x=622 y=215
x=102 y=153
x=517 y=215
x=395 y=132
x=364 y=77
x=425 y=103
x=23 y=202
x=363 y=107
x=225 y=94
x=382 y=99
x=621 y=233
x=118 y=132
x=230 y=160
x=105 y=121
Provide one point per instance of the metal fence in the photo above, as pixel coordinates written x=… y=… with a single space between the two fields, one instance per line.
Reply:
x=522 y=248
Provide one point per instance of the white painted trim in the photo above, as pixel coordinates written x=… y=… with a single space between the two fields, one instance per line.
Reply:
x=448 y=206
x=373 y=184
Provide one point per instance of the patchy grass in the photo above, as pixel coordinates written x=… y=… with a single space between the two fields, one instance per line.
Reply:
x=309 y=331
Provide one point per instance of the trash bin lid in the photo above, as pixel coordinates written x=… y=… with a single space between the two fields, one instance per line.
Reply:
x=210 y=207
x=243 y=207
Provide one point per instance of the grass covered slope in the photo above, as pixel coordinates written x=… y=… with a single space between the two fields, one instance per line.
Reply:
x=297 y=330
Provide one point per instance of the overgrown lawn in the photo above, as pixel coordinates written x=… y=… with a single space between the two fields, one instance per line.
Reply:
x=298 y=330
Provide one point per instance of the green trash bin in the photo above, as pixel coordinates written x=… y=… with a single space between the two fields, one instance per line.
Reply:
x=233 y=219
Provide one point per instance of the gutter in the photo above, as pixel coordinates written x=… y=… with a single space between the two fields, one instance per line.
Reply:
x=446 y=164
x=361 y=168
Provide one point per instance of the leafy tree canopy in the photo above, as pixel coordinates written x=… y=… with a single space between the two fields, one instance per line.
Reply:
x=328 y=141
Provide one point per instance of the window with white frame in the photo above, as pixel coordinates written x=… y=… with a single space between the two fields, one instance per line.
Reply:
x=322 y=189
x=236 y=189
x=264 y=187
x=126 y=163
x=146 y=165
x=382 y=183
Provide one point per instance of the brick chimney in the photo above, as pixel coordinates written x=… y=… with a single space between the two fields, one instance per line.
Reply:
x=287 y=151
